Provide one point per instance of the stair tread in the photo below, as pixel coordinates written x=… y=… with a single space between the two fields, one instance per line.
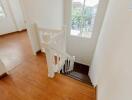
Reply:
x=81 y=77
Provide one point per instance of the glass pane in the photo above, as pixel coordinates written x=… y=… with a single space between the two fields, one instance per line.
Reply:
x=76 y=16
x=83 y=16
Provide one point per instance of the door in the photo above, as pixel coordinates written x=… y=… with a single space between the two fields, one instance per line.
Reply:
x=7 y=23
x=83 y=19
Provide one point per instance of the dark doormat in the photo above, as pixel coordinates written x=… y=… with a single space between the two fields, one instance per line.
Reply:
x=80 y=73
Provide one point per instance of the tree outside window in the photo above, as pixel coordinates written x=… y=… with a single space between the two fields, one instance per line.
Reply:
x=83 y=16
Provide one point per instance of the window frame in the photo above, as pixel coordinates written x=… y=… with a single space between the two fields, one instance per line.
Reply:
x=88 y=34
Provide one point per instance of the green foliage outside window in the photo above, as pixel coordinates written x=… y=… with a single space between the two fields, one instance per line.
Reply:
x=81 y=18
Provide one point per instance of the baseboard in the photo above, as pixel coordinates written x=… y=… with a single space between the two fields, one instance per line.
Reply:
x=13 y=32
x=3 y=75
x=23 y=30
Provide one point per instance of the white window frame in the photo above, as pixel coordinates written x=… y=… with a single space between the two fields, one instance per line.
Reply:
x=80 y=34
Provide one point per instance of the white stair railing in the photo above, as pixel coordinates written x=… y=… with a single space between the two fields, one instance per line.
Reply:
x=54 y=42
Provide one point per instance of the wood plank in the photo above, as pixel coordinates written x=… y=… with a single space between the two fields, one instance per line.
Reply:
x=29 y=81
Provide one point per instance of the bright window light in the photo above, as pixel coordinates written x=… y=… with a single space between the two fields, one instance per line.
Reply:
x=83 y=17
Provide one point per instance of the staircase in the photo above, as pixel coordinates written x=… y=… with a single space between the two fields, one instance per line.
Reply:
x=80 y=72
x=53 y=44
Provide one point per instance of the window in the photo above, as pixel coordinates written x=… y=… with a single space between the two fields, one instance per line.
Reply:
x=83 y=16
x=2 y=14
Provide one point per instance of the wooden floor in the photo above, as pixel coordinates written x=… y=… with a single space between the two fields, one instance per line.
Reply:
x=29 y=81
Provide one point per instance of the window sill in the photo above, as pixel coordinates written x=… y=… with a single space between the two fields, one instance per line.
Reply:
x=87 y=35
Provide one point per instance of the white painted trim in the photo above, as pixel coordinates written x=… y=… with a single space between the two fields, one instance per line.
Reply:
x=2 y=68
x=34 y=37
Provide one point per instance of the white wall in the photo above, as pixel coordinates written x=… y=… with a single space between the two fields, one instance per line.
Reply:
x=83 y=48
x=112 y=62
x=46 y=13
x=13 y=21
x=56 y=13
x=7 y=24
x=17 y=14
